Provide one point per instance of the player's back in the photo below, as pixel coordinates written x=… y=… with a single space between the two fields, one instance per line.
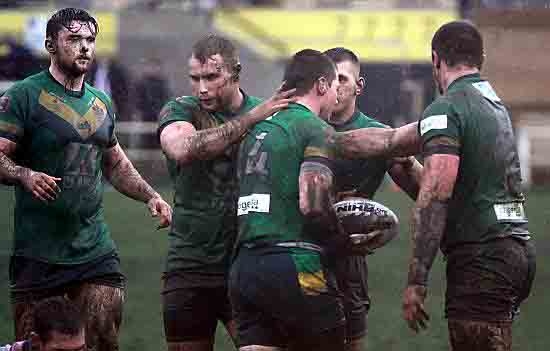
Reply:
x=487 y=199
x=268 y=171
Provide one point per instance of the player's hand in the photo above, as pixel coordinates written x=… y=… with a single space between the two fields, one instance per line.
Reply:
x=160 y=208
x=344 y=195
x=274 y=104
x=364 y=244
x=413 y=307
x=42 y=186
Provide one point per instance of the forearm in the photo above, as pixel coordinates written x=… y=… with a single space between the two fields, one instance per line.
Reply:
x=209 y=143
x=428 y=224
x=407 y=175
x=127 y=180
x=376 y=142
x=10 y=172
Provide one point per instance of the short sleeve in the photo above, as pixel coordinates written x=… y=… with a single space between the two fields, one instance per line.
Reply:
x=13 y=113
x=314 y=132
x=439 y=120
x=177 y=110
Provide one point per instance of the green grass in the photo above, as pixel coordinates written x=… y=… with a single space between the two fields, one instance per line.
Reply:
x=142 y=250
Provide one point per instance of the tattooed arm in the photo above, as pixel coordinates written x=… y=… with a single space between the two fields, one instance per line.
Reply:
x=407 y=173
x=372 y=142
x=120 y=172
x=41 y=185
x=183 y=143
x=428 y=223
x=316 y=199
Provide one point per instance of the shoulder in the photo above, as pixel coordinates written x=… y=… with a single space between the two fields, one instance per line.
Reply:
x=25 y=86
x=254 y=100
x=178 y=109
x=101 y=95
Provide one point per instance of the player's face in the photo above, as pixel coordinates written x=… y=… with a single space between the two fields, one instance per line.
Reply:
x=211 y=82
x=329 y=101
x=63 y=342
x=348 y=76
x=75 y=48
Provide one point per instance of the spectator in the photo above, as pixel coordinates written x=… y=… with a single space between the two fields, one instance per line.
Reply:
x=152 y=90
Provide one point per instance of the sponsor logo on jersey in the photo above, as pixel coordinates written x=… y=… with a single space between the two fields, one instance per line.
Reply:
x=511 y=211
x=433 y=122
x=253 y=203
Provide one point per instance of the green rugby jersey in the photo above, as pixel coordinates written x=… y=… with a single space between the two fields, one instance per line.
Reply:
x=487 y=201
x=204 y=224
x=364 y=175
x=268 y=170
x=63 y=134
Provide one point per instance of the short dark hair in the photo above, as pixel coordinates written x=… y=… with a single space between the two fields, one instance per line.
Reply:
x=63 y=18
x=305 y=68
x=341 y=54
x=57 y=314
x=215 y=44
x=459 y=42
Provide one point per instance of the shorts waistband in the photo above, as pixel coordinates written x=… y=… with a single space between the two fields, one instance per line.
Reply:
x=287 y=244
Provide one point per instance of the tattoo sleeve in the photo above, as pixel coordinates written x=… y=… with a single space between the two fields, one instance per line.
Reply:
x=430 y=212
x=374 y=142
x=316 y=200
x=120 y=172
x=10 y=172
x=211 y=142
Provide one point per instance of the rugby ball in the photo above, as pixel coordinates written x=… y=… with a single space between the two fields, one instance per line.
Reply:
x=361 y=217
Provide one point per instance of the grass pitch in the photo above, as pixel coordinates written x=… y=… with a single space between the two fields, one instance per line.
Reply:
x=142 y=250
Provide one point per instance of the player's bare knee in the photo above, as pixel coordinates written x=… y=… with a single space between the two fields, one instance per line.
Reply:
x=23 y=319
x=355 y=344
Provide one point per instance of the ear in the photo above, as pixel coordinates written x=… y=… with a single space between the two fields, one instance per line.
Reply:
x=322 y=86
x=360 y=86
x=436 y=61
x=50 y=46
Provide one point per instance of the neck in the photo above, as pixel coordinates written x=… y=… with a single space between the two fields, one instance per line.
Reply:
x=236 y=100
x=454 y=74
x=70 y=84
x=312 y=104
x=343 y=116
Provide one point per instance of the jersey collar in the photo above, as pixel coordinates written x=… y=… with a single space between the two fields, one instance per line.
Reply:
x=73 y=93
x=460 y=82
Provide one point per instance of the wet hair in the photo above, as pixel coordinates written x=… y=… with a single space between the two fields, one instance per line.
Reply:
x=215 y=44
x=305 y=68
x=63 y=19
x=57 y=314
x=459 y=42
x=341 y=54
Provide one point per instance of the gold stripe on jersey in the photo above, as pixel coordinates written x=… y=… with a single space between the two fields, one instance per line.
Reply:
x=86 y=124
x=10 y=128
x=313 y=151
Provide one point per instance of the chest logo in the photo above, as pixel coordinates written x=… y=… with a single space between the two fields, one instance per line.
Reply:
x=85 y=124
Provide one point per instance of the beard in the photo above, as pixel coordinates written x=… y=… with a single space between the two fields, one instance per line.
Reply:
x=72 y=69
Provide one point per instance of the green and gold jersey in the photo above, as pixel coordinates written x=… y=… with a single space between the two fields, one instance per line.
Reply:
x=269 y=166
x=364 y=175
x=63 y=134
x=487 y=201
x=204 y=223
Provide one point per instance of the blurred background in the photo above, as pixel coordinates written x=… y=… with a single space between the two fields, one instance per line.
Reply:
x=142 y=53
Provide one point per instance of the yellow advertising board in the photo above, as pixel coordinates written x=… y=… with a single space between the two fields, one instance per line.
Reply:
x=377 y=36
x=29 y=27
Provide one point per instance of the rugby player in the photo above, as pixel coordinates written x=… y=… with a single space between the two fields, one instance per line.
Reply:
x=57 y=144
x=470 y=202
x=283 y=295
x=360 y=178
x=199 y=135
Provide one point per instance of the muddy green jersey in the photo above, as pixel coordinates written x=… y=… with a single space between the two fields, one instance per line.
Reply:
x=63 y=134
x=487 y=201
x=363 y=175
x=204 y=223
x=269 y=165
